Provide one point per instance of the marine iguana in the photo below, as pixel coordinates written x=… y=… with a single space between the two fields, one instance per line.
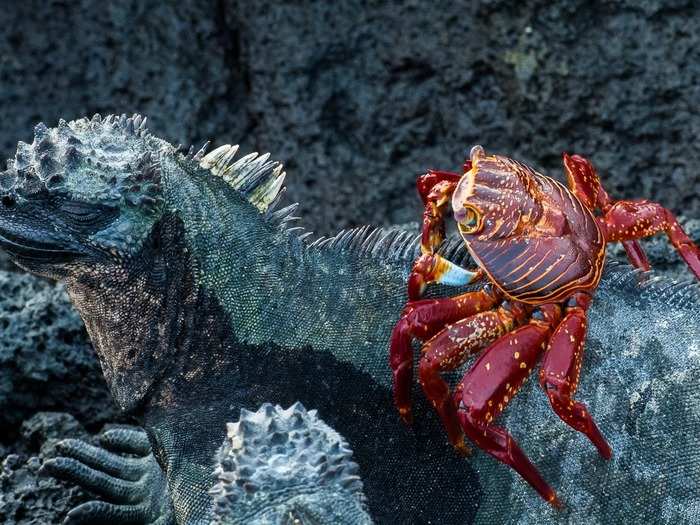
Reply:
x=201 y=300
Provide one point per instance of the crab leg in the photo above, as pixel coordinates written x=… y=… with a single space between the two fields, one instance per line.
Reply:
x=450 y=348
x=626 y=220
x=584 y=182
x=561 y=368
x=431 y=178
x=421 y=320
x=492 y=382
x=636 y=255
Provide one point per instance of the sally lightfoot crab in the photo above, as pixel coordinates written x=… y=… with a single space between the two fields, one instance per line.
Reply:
x=540 y=251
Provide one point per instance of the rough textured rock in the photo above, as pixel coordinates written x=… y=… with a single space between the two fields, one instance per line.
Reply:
x=31 y=497
x=46 y=361
x=358 y=97
x=26 y=498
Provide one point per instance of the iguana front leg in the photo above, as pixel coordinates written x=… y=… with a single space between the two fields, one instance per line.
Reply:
x=123 y=472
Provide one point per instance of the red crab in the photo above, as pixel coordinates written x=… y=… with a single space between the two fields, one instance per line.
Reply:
x=540 y=248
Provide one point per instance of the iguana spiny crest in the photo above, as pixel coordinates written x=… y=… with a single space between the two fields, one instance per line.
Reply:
x=100 y=183
x=115 y=159
x=290 y=464
x=105 y=161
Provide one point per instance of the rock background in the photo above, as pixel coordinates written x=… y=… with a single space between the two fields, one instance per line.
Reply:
x=27 y=498
x=46 y=360
x=46 y=364
x=357 y=98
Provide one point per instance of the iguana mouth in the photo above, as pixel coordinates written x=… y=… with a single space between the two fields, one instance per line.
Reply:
x=36 y=250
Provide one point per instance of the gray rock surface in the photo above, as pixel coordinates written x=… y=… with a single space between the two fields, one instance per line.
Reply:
x=29 y=496
x=46 y=361
x=26 y=498
x=359 y=97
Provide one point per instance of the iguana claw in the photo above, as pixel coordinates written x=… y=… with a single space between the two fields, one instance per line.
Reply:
x=123 y=472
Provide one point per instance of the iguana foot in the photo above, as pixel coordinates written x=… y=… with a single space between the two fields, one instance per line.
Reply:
x=123 y=472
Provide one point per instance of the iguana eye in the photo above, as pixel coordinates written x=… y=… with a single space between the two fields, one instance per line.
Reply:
x=79 y=210
x=472 y=220
x=86 y=216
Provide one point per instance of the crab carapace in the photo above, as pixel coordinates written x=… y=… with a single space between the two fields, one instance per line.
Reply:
x=540 y=251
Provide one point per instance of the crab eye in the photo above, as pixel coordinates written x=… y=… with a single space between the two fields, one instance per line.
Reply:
x=472 y=220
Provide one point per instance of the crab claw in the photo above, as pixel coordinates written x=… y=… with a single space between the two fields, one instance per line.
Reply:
x=447 y=272
x=429 y=269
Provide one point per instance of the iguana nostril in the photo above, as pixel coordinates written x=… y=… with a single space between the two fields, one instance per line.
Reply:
x=8 y=201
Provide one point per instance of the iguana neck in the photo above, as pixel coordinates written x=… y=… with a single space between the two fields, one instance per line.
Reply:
x=134 y=314
x=273 y=288
x=295 y=296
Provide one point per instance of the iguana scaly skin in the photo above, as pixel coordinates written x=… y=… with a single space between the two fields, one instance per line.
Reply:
x=201 y=301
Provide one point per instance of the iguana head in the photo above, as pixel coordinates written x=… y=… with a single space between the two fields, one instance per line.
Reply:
x=82 y=194
x=133 y=226
x=88 y=193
